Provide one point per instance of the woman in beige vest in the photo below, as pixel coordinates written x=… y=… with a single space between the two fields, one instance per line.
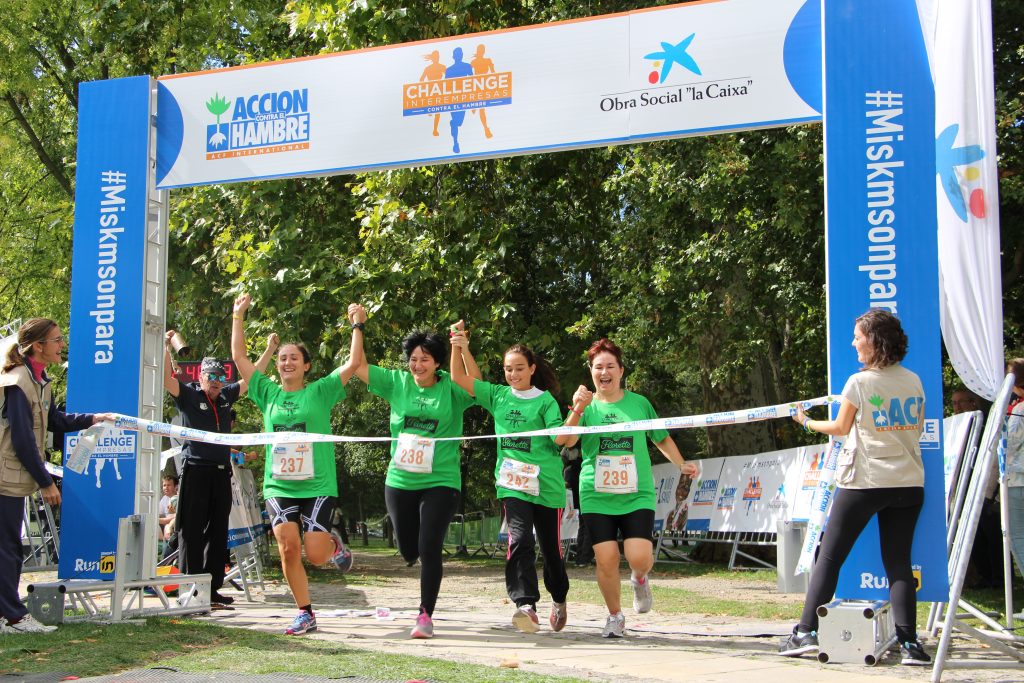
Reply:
x=880 y=472
x=27 y=412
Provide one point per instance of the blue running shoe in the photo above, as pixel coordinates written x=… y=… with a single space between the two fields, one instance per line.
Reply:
x=304 y=622
x=342 y=557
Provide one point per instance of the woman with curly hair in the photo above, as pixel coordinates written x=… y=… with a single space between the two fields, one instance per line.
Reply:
x=880 y=471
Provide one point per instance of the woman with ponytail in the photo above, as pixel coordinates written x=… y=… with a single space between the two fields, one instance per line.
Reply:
x=528 y=475
x=27 y=412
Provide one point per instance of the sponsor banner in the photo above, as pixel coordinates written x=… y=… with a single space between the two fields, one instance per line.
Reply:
x=956 y=429
x=803 y=478
x=245 y=523
x=670 y=489
x=704 y=495
x=759 y=499
x=821 y=503
x=748 y=493
x=654 y=73
x=881 y=238
x=107 y=283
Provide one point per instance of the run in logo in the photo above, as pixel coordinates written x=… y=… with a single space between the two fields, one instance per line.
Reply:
x=261 y=123
x=455 y=88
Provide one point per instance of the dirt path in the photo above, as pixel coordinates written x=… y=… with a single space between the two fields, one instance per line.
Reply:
x=472 y=623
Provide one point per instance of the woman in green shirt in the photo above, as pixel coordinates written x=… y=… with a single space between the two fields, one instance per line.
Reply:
x=528 y=476
x=616 y=484
x=424 y=481
x=300 y=480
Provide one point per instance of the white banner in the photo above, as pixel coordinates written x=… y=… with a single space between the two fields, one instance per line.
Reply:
x=648 y=74
x=968 y=186
x=245 y=521
x=748 y=493
x=671 y=489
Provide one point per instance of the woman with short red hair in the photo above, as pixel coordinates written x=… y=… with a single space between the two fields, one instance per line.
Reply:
x=616 y=484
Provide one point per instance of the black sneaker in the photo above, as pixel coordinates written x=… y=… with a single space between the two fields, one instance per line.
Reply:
x=796 y=644
x=218 y=599
x=912 y=654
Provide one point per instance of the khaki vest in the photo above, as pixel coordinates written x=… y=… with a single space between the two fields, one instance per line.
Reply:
x=14 y=478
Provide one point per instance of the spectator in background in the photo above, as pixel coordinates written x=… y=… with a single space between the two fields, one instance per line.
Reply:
x=167 y=507
x=987 y=552
x=1015 y=461
x=965 y=401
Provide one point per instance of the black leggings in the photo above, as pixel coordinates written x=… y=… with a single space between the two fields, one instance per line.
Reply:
x=421 y=520
x=897 y=510
x=521 y=561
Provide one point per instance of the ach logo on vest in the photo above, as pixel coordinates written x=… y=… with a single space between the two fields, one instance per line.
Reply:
x=902 y=414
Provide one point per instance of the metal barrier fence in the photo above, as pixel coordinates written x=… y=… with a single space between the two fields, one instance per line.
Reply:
x=475 y=533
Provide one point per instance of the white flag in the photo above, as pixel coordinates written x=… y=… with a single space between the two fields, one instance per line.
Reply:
x=968 y=202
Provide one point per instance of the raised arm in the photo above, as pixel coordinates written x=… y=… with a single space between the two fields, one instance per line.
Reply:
x=838 y=427
x=357 y=362
x=238 y=352
x=580 y=400
x=462 y=359
x=273 y=343
x=357 y=354
x=170 y=383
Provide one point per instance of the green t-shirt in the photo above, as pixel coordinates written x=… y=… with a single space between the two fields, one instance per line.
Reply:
x=515 y=414
x=630 y=407
x=435 y=411
x=305 y=410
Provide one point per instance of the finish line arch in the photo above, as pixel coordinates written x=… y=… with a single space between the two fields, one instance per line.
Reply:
x=701 y=68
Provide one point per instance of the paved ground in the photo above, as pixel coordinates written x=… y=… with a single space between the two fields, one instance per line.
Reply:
x=472 y=624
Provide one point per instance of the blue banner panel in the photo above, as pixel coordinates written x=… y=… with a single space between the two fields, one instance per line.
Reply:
x=881 y=238
x=107 y=284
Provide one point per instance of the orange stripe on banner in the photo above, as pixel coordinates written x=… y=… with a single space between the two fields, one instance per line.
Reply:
x=430 y=41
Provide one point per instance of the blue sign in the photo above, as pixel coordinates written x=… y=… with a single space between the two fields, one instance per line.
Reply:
x=881 y=239
x=107 y=285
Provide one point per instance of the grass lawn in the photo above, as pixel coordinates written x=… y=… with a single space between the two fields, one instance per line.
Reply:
x=197 y=646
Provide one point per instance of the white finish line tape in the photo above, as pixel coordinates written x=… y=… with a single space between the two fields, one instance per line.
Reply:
x=667 y=423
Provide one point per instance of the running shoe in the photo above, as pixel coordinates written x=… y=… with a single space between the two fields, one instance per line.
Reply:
x=796 y=643
x=912 y=654
x=525 y=619
x=424 y=627
x=642 y=597
x=304 y=622
x=615 y=627
x=559 y=615
x=342 y=557
x=27 y=624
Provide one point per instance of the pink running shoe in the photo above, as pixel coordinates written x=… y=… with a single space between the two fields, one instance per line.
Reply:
x=424 y=627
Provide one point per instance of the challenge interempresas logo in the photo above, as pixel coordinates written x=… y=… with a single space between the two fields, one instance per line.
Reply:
x=259 y=123
x=456 y=88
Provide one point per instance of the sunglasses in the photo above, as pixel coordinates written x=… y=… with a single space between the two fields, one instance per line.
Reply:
x=215 y=378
